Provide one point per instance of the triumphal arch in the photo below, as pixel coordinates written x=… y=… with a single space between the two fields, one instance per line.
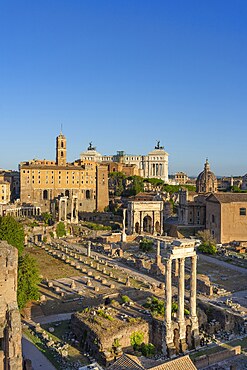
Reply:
x=145 y=217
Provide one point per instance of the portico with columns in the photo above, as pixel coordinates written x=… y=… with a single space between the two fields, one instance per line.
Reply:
x=178 y=328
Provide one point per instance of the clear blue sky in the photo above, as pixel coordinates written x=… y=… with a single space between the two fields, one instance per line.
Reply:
x=124 y=73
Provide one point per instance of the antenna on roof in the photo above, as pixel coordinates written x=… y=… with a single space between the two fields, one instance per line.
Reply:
x=61 y=128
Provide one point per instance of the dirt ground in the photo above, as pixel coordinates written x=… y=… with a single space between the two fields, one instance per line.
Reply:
x=224 y=277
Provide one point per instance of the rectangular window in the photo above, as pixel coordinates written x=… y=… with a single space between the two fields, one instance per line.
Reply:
x=242 y=211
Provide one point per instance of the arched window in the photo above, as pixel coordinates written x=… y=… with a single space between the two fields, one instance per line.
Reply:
x=45 y=194
x=61 y=154
x=61 y=144
x=67 y=193
x=87 y=194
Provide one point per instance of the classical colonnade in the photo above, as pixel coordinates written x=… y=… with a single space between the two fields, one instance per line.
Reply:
x=181 y=324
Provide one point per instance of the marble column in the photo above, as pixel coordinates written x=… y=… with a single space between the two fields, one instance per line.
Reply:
x=168 y=301
x=158 y=256
x=181 y=321
x=193 y=315
x=193 y=286
x=89 y=249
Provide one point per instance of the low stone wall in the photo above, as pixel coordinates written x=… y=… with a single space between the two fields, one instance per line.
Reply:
x=101 y=346
x=206 y=360
x=228 y=320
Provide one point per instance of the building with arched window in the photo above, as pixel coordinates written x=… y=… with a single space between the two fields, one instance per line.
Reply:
x=43 y=181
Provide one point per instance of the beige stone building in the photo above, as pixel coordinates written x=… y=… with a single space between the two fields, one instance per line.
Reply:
x=11 y=191
x=145 y=215
x=4 y=192
x=42 y=182
x=226 y=216
x=10 y=321
x=181 y=178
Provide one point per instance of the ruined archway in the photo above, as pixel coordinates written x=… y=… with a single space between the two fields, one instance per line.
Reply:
x=157 y=227
x=137 y=228
x=147 y=224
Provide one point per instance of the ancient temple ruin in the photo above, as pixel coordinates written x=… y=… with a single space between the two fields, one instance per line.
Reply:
x=10 y=322
x=181 y=331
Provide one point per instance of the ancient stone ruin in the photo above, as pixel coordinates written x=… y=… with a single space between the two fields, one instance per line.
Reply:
x=181 y=333
x=10 y=322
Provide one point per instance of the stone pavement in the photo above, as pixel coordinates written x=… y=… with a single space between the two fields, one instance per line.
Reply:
x=39 y=361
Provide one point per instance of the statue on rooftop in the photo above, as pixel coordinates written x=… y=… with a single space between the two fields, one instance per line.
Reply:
x=158 y=146
x=91 y=147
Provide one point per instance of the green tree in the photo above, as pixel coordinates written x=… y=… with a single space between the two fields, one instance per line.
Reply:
x=28 y=280
x=208 y=245
x=207 y=248
x=136 y=339
x=147 y=349
x=146 y=245
x=46 y=217
x=60 y=230
x=12 y=231
x=137 y=185
x=28 y=274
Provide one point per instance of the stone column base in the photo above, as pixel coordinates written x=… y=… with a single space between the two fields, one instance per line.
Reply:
x=183 y=345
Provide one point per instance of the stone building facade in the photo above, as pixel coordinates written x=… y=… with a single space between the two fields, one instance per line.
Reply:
x=145 y=215
x=4 y=192
x=152 y=165
x=192 y=209
x=10 y=322
x=43 y=182
x=10 y=189
x=226 y=216
x=181 y=178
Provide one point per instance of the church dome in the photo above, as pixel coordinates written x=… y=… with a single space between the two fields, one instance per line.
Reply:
x=206 y=181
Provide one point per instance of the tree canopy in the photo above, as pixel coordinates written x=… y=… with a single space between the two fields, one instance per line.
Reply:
x=13 y=232
x=60 y=230
x=28 y=280
x=28 y=275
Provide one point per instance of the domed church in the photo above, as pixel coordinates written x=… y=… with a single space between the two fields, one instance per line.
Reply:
x=206 y=181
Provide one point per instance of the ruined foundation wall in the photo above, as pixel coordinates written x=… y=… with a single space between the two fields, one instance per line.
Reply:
x=10 y=322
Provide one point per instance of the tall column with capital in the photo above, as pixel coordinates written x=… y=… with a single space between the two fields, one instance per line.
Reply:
x=193 y=315
x=168 y=301
x=193 y=286
x=181 y=320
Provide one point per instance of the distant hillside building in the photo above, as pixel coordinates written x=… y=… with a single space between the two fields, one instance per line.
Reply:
x=152 y=165
x=181 y=178
x=43 y=181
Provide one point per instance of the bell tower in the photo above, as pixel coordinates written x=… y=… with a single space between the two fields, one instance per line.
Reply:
x=61 y=150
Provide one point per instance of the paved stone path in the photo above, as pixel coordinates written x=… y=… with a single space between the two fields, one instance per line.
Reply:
x=227 y=265
x=39 y=361
x=52 y=318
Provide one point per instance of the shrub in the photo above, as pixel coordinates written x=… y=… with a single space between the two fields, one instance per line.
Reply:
x=207 y=248
x=147 y=349
x=60 y=230
x=125 y=299
x=146 y=245
x=136 y=339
